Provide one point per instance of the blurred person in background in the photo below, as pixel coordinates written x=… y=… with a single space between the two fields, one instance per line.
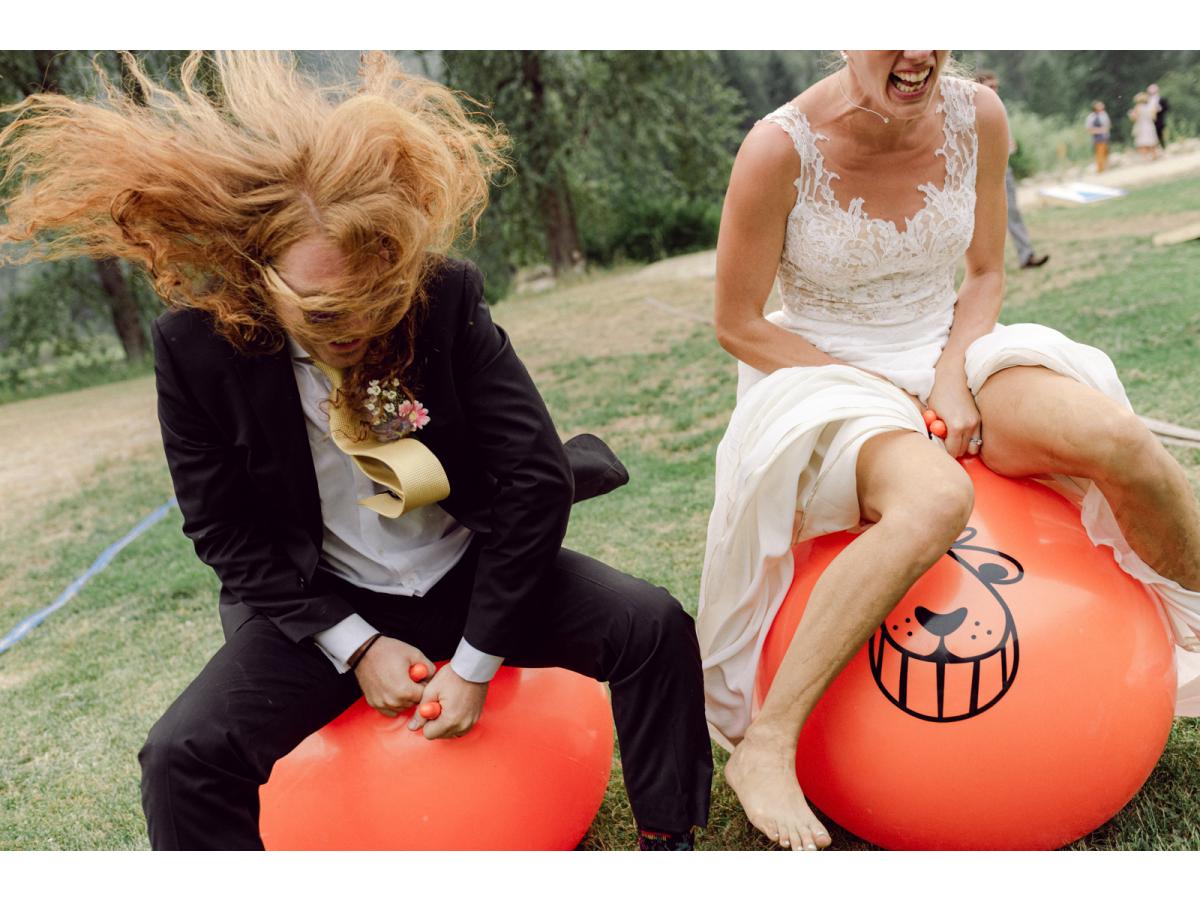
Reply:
x=1027 y=257
x=1145 y=135
x=1160 y=117
x=1099 y=126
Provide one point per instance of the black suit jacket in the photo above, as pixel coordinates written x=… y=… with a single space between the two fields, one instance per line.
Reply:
x=237 y=447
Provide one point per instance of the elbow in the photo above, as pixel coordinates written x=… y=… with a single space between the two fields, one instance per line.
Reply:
x=725 y=337
x=730 y=334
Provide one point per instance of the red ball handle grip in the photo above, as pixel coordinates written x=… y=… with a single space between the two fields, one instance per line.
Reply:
x=934 y=423
x=430 y=710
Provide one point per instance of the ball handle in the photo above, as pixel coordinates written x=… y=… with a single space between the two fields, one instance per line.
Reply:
x=432 y=709
x=934 y=423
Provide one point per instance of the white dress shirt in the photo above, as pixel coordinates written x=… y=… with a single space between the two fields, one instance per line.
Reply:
x=405 y=556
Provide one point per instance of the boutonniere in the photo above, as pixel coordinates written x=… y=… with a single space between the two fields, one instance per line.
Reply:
x=393 y=417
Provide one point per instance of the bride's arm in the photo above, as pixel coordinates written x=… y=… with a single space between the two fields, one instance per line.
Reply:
x=761 y=194
x=982 y=290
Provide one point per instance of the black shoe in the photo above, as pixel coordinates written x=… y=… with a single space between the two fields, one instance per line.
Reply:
x=661 y=840
x=1034 y=261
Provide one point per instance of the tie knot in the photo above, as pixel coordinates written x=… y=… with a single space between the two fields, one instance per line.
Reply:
x=333 y=374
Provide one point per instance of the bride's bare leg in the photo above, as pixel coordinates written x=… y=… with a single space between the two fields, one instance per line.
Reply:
x=919 y=499
x=1037 y=422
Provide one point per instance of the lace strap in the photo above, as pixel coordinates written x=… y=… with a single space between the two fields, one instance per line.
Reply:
x=804 y=139
x=792 y=121
x=958 y=102
x=962 y=143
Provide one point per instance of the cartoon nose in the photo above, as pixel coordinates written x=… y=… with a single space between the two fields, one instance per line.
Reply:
x=940 y=624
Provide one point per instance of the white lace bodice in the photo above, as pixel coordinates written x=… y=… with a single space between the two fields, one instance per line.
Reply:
x=840 y=265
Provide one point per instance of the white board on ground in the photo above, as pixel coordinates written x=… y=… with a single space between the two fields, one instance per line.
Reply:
x=1079 y=192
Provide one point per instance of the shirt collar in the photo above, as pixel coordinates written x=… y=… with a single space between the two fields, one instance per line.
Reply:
x=297 y=352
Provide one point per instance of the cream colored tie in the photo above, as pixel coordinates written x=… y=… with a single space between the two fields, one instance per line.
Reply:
x=406 y=467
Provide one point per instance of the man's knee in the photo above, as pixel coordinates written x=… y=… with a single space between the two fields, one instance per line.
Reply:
x=658 y=622
x=185 y=744
x=172 y=747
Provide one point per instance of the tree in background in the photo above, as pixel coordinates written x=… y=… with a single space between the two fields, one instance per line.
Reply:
x=601 y=141
x=61 y=298
x=767 y=79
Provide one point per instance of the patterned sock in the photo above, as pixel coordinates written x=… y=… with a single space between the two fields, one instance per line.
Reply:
x=666 y=840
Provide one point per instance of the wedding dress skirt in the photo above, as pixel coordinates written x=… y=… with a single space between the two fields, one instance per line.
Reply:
x=785 y=473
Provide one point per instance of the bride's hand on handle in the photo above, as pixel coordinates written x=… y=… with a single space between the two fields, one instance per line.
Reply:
x=955 y=405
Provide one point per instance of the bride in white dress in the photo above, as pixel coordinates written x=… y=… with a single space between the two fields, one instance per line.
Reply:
x=863 y=196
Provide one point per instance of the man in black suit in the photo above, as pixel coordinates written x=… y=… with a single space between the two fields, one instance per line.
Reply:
x=299 y=235
x=298 y=603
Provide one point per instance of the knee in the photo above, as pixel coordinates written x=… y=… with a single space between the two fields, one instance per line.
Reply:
x=173 y=748
x=934 y=513
x=158 y=757
x=658 y=623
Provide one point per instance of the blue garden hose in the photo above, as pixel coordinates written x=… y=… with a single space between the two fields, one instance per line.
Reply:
x=102 y=561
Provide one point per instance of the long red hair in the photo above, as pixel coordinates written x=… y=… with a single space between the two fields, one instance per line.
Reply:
x=205 y=185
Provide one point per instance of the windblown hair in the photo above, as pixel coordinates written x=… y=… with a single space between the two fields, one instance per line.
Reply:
x=205 y=186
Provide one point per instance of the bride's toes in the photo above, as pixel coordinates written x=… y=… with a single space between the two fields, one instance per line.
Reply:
x=821 y=838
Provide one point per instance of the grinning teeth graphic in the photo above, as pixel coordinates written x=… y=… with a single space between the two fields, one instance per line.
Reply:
x=934 y=683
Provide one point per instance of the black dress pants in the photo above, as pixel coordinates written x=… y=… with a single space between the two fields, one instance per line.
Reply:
x=262 y=694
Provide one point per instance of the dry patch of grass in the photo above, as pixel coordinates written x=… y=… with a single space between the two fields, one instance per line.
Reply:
x=54 y=445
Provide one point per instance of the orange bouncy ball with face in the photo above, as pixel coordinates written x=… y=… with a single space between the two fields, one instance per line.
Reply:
x=1017 y=697
x=530 y=775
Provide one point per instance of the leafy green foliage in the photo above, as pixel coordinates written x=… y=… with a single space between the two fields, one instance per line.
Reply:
x=602 y=143
x=1046 y=143
x=56 y=332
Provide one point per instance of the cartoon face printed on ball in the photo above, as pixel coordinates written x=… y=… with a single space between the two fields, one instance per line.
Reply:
x=949 y=651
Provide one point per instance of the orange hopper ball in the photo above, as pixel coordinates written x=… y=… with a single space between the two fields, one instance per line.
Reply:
x=1018 y=696
x=929 y=416
x=530 y=775
x=430 y=710
x=937 y=428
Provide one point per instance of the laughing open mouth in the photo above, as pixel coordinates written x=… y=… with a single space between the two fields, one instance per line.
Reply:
x=910 y=82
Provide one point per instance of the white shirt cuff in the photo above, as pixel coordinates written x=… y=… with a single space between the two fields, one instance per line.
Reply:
x=470 y=664
x=339 y=642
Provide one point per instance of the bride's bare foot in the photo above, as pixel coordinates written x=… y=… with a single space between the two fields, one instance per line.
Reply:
x=763 y=775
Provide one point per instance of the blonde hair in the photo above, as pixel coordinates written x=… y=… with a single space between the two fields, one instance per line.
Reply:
x=206 y=185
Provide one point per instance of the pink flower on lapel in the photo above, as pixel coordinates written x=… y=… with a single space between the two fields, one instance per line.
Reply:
x=391 y=417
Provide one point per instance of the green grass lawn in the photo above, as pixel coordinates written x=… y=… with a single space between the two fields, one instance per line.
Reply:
x=79 y=694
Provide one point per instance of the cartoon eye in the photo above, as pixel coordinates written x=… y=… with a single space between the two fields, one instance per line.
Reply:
x=992 y=573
